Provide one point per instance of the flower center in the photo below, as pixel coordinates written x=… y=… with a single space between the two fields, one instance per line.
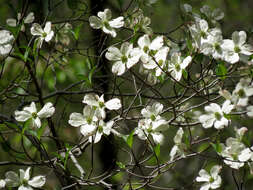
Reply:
x=211 y=180
x=160 y=62
x=237 y=49
x=100 y=129
x=34 y=115
x=241 y=93
x=217 y=115
x=101 y=104
x=217 y=47
x=145 y=49
x=106 y=24
x=89 y=120
x=203 y=34
x=44 y=34
x=177 y=67
x=152 y=117
x=152 y=53
x=124 y=59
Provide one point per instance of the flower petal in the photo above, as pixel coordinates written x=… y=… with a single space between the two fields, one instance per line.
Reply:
x=47 y=111
x=37 y=181
x=113 y=104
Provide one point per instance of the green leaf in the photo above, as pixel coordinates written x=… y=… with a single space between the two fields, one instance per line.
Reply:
x=121 y=165
x=130 y=139
x=185 y=74
x=76 y=31
x=157 y=150
x=217 y=147
x=221 y=70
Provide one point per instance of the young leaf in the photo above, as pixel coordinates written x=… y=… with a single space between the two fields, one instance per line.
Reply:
x=130 y=139
x=221 y=70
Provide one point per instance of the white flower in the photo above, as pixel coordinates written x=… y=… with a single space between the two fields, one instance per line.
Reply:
x=177 y=64
x=199 y=31
x=44 y=34
x=216 y=115
x=103 y=128
x=153 y=124
x=99 y=104
x=86 y=121
x=214 y=15
x=212 y=46
x=212 y=180
x=123 y=58
x=250 y=111
x=161 y=60
x=179 y=148
x=232 y=151
x=242 y=92
x=23 y=181
x=27 y=20
x=104 y=22
x=236 y=46
x=30 y=112
x=149 y=50
x=2 y=183
x=6 y=39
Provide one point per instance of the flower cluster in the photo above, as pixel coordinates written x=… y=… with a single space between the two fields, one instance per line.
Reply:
x=91 y=121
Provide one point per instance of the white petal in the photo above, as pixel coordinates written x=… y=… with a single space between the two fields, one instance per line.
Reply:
x=11 y=22
x=113 y=54
x=22 y=187
x=144 y=41
x=110 y=31
x=27 y=173
x=158 y=137
x=31 y=108
x=113 y=104
x=36 y=122
x=157 y=43
x=76 y=120
x=117 y=22
x=12 y=179
x=245 y=155
x=239 y=38
x=37 y=181
x=88 y=129
x=186 y=62
x=49 y=36
x=118 y=68
x=91 y=99
x=107 y=128
x=203 y=25
x=47 y=27
x=106 y=15
x=29 y=18
x=227 y=107
x=95 y=22
x=207 y=120
x=96 y=138
x=36 y=30
x=205 y=186
x=47 y=111
x=22 y=115
x=203 y=176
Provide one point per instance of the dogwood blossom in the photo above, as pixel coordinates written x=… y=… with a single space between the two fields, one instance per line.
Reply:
x=6 y=39
x=153 y=123
x=250 y=111
x=161 y=60
x=213 y=44
x=2 y=183
x=123 y=58
x=177 y=64
x=216 y=115
x=103 y=128
x=212 y=180
x=199 y=31
x=44 y=34
x=214 y=15
x=30 y=112
x=99 y=104
x=27 y=20
x=148 y=50
x=236 y=46
x=87 y=121
x=179 y=148
x=242 y=92
x=23 y=180
x=103 y=21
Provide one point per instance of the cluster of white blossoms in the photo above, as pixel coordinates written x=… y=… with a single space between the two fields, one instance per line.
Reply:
x=209 y=41
x=152 y=124
x=153 y=55
x=91 y=121
x=6 y=39
x=23 y=181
